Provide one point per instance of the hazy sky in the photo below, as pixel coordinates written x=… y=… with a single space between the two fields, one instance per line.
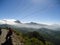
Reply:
x=43 y=11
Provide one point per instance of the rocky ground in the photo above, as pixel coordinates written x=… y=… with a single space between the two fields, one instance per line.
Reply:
x=12 y=41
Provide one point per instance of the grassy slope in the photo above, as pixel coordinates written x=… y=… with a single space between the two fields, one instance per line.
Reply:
x=27 y=41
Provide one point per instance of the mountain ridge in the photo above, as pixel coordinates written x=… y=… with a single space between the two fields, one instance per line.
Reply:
x=35 y=25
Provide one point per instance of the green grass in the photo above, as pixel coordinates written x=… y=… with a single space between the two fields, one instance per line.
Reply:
x=30 y=41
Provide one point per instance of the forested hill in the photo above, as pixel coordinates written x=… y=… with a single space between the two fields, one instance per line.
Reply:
x=19 y=38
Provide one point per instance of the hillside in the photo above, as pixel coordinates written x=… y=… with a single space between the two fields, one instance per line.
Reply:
x=11 y=41
x=19 y=38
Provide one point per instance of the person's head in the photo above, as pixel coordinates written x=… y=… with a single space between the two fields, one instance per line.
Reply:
x=9 y=28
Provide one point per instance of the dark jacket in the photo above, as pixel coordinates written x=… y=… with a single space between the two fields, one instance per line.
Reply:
x=0 y=31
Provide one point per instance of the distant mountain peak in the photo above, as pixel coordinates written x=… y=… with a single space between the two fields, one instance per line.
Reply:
x=17 y=21
x=33 y=23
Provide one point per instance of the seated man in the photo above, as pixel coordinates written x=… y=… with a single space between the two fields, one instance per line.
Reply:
x=9 y=33
x=0 y=31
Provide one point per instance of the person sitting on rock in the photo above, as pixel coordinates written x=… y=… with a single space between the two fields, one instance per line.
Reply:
x=9 y=34
x=0 y=31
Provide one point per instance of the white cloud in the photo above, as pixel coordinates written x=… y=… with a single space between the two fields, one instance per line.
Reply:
x=7 y=21
x=2 y=22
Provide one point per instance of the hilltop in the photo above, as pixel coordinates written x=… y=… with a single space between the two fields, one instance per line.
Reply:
x=19 y=38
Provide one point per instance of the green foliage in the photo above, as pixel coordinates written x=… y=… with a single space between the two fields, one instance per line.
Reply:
x=18 y=33
x=33 y=40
